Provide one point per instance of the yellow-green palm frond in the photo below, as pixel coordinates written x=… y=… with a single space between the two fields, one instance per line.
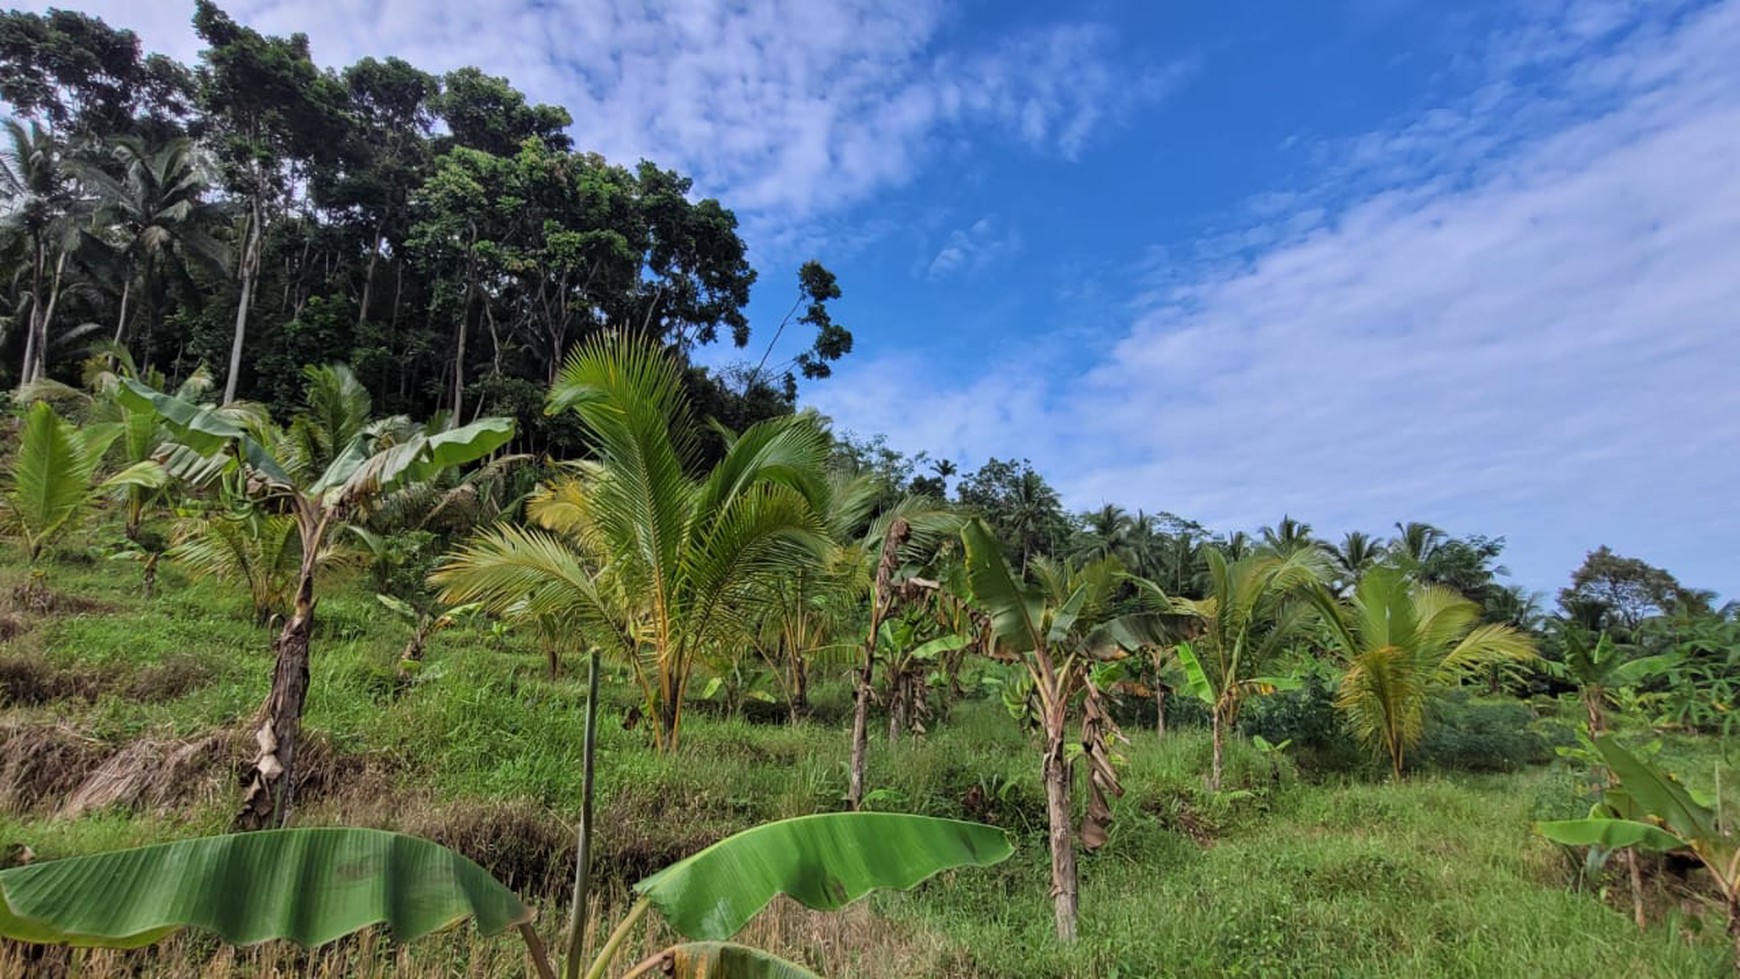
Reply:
x=533 y=575
x=1484 y=645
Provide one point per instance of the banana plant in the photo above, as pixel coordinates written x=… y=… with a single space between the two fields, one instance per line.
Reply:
x=1601 y=672
x=314 y=886
x=909 y=659
x=1651 y=810
x=52 y=481
x=1057 y=634
x=320 y=487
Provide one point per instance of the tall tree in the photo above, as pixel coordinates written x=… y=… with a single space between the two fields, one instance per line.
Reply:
x=88 y=80
x=45 y=208
x=1019 y=505
x=269 y=108
x=1627 y=590
x=158 y=221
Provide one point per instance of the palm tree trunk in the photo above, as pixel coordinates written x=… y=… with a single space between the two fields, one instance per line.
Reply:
x=1159 y=711
x=40 y=367
x=269 y=800
x=28 y=368
x=1064 y=884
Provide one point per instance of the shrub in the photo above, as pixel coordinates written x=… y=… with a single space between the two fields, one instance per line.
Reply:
x=1475 y=736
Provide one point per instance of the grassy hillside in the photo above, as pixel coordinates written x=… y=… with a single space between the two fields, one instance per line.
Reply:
x=123 y=724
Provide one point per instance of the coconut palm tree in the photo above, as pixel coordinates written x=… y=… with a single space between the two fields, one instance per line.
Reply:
x=1105 y=533
x=1403 y=642
x=272 y=470
x=1251 y=613
x=653 y=565
x=1288 y=536
x=42 y=205
x=158 y=223
x=1415 y=543
x=1357 y=552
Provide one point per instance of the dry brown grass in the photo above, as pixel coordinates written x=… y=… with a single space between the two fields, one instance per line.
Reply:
x=42 y=764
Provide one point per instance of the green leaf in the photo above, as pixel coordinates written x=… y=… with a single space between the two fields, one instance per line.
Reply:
x=1195 y=679
x=825 y=862
x=310 y=886
x=723 y=960
x=1014 y=610
x=1656 y=793
x=1609 y=834
x=205 y=430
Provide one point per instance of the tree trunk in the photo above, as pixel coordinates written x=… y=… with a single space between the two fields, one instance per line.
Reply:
x=860 y=732
x=250 y=270
x=1064 y=884
x=269 y=800
x=39 y=368
x=1159 y=710
x=362 y=307
x=1218 y=723
x=121 y=320
x=1734 y=927
x=28 y=368
x=881 y=599
x=896 y=705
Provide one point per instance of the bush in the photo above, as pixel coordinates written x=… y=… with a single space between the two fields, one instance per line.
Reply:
x=1475 y=736
x=1307 y=717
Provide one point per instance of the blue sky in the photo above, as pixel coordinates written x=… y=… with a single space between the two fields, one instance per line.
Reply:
x=1358 y=261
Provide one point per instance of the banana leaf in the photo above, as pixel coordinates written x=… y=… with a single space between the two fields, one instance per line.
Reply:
x=310 y=886
x=824 y=862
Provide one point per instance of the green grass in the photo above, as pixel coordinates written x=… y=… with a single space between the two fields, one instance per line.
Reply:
x=1292 y=872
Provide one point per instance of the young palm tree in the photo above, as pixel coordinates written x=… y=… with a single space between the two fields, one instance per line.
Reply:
x=1403 y=642
x=50 y=485
x=1247 y=619
x=273 y=471
x=651 y=564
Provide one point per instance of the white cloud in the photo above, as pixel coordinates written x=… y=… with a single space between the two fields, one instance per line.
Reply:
x=1518 y=315
x=974 y=248
x=787 y=109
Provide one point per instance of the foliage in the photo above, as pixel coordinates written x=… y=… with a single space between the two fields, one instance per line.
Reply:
x=1402 y=641
x=313 y=886
x=653 y=566
x=50 y=484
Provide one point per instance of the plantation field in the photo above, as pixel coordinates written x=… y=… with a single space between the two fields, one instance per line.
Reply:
x=125 y=723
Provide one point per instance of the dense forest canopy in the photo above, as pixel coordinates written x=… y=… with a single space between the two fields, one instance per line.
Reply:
x=442 y=235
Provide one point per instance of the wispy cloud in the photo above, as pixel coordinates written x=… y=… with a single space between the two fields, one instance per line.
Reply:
x=974 y=248
x=789 y=108
x=1512 y=314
